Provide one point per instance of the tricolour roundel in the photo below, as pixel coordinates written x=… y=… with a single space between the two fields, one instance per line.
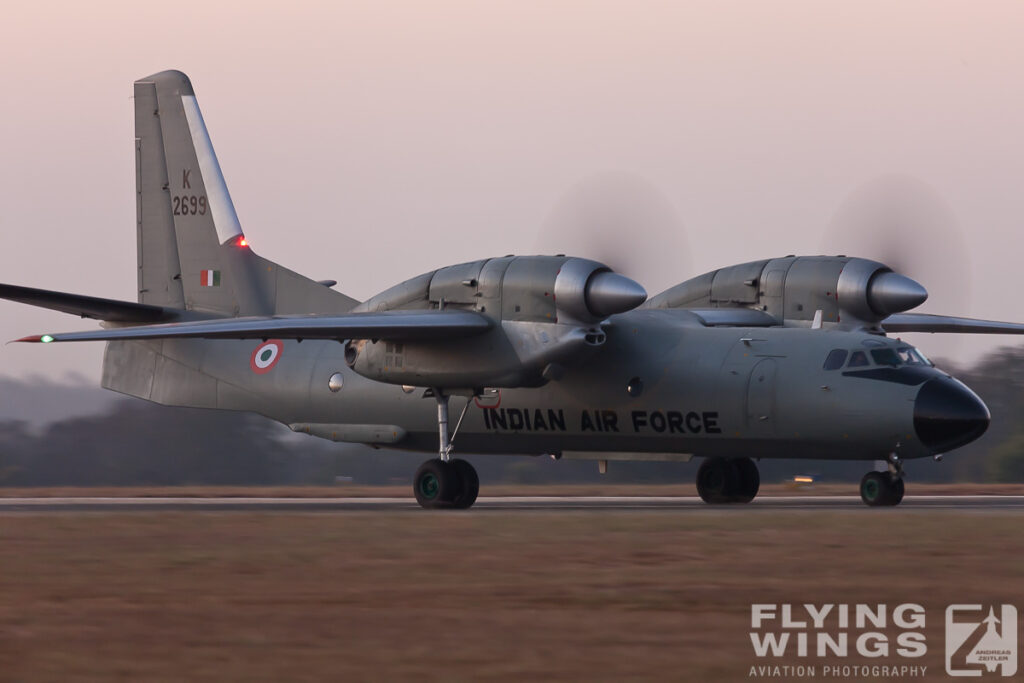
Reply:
x=266 y=355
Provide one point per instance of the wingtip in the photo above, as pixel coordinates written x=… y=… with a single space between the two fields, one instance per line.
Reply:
x=34 y=339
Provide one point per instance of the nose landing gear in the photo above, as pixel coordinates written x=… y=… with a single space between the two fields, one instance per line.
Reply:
x=879 y=489
x=728 y=480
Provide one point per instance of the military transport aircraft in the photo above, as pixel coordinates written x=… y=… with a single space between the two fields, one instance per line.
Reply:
x=780 y=358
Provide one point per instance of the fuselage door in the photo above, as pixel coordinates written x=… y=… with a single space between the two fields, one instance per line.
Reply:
x=761 y=397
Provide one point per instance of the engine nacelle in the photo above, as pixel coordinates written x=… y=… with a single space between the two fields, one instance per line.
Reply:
x=516 y=354
x=524 y=288
x=850 y=292
x=547 y=311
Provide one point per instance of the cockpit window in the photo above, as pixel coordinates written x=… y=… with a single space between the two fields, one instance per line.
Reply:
x=858 y=359
x=886 y=357
x=911 y=356
x=835 y=359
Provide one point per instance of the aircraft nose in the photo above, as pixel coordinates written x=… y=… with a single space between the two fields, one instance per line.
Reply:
x=948 y=415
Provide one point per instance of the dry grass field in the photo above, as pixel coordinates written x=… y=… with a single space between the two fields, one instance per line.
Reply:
x=484 y=596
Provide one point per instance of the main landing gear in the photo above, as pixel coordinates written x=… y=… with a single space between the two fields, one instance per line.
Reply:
x=879 y=489
x=728 y=480
x=446 y=484
x=443 y=482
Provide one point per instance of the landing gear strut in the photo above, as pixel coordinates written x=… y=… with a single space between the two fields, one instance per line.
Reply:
x=879 y=489
x=443 y=482
x=728 y=480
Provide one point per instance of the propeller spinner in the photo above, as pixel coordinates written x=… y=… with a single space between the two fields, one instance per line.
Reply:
x=890 y=293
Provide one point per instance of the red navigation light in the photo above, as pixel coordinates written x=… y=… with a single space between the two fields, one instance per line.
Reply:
x=242 y=242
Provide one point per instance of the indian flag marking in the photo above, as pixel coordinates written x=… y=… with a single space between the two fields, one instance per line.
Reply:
x=266 y=355
x=209 y=278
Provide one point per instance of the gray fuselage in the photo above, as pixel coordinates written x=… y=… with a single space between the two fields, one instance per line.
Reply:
x=660 y=384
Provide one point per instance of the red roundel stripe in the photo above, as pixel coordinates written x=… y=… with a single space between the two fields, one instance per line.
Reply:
x=266 y=355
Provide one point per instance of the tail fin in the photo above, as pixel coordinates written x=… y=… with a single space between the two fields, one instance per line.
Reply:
x=192 y=251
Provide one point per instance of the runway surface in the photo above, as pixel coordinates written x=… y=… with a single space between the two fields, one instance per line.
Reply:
x=8 y=505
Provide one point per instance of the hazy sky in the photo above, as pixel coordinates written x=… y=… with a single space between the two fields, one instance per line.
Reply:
x=370 y=141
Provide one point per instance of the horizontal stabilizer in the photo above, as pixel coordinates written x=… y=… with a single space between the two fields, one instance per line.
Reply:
x=923 y=322
x=388 y=325
x=89 y=306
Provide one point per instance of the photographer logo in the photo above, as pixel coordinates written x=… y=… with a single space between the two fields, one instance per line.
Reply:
x=981 y=639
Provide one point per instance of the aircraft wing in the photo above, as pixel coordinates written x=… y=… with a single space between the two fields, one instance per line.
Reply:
x=88 y=306
x=924 y=322
x=389 y=325
x=733 y=317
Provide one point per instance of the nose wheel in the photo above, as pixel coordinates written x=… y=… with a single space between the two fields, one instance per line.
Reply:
x=728 y=480
x=878 y=489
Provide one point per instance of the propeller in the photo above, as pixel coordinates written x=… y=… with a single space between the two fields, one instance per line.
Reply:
x=903 y=223
x=624 y=221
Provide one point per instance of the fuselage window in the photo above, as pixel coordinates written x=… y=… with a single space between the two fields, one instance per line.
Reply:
x=886 y=357
x=858 y=359
x=835 y=359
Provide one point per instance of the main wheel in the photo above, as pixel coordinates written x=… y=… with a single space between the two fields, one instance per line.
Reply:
x=749 y=480
x=876 y=489
x=468 y=484
x=717 y=480
x=435 y=484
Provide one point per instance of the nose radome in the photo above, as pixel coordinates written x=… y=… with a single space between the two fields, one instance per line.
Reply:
x=948 y=415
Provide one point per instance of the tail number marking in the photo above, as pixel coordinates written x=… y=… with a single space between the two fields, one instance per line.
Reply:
x=189 y=205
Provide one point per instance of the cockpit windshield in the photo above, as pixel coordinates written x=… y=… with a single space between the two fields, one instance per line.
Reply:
x=911 y=356
x=885 y=356
x=904 y=355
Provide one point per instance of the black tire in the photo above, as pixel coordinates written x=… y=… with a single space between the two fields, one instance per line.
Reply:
x=896 y=492
x=717 y=480
x=748 y=479
x=435 y=484
x=876 y=489
x=468 y=484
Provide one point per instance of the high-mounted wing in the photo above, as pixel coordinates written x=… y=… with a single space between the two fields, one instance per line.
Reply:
x=734 y=317
x=924 y=322
x=88 y=306
x=388 y=325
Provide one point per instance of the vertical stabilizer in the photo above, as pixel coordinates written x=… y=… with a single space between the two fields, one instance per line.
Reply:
x=192 y=252
x=193 y=198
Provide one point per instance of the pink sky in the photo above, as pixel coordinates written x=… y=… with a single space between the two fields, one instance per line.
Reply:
x=368 y=142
